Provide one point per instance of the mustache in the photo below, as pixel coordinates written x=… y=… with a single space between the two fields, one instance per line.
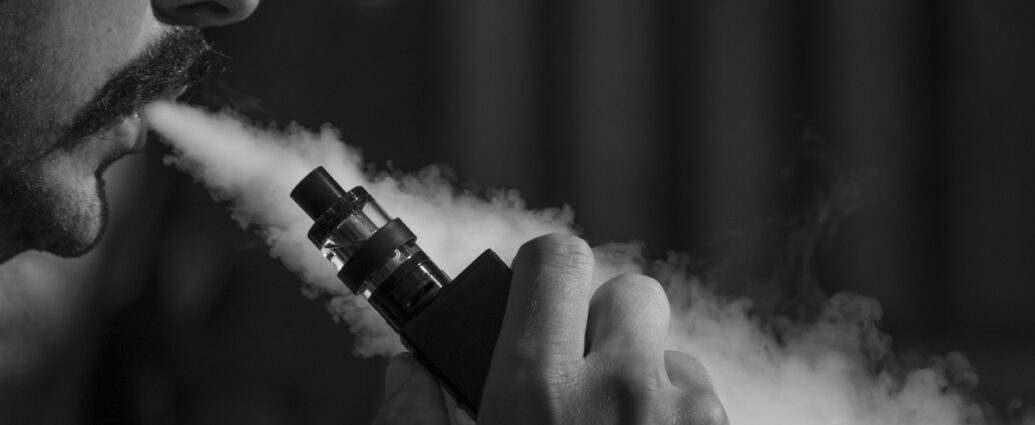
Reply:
x=177 y=60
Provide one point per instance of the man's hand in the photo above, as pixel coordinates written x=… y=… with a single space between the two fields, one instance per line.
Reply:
x=564 y=357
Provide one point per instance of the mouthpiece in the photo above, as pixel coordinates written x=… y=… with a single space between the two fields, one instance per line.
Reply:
x=317 y=192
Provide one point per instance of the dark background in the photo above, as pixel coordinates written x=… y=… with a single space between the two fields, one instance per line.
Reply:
x=882 y=147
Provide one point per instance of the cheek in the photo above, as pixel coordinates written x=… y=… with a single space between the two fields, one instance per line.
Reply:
x=26 y=119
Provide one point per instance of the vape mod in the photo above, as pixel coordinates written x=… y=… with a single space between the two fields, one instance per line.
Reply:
x=449 y=326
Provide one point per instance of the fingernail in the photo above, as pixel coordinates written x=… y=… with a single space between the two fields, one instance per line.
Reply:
x=399 y=371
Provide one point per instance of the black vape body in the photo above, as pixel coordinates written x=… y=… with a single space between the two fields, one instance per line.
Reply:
x=455 y=335
x=450 y=326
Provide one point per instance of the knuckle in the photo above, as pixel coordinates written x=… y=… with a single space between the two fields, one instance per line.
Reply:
x=632 y=374
x=557 y=250
x=637 y=291
x=636 y=396
x=686 y=371
x=703 y=408
x=639 y=363
x=545 y=378
x=551 y=389
x=562 y=241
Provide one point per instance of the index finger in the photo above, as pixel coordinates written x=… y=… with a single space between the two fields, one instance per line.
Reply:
x=545 y=321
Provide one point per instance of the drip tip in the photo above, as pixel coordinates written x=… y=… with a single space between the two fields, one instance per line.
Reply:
x=317 y=192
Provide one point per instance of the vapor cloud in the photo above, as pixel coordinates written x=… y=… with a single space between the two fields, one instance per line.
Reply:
x=824 y=373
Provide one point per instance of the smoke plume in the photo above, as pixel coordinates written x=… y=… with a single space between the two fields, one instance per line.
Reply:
x=834 y=370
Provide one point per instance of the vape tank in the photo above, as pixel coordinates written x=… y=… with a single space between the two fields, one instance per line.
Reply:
x=449 y=326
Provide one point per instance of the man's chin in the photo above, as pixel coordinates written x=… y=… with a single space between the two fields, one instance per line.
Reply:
x=79 y=227
x=76 y=242
x=59 y=213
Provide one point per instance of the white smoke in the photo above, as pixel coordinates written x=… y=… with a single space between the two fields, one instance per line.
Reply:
x=823 y=373
x=256 y=169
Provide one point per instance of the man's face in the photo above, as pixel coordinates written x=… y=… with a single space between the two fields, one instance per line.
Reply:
x=72 y=75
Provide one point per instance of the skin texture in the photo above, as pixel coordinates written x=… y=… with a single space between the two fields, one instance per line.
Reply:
x=566 y=357
x=55 y=57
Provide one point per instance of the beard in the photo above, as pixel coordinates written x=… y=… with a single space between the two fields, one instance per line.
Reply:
x=64 y=215
x=53 y=198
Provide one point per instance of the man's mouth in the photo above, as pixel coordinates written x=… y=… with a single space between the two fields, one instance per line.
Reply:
x=164 y=71
x=129 y=133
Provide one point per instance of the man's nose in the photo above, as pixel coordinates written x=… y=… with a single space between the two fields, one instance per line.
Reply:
x=203 y=13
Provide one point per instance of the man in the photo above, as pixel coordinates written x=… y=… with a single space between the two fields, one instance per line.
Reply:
x=73 y=75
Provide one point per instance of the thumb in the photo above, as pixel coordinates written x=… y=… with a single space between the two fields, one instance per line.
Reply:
x=412 y=396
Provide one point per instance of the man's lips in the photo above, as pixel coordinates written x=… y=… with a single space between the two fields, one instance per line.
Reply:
x=130 y=132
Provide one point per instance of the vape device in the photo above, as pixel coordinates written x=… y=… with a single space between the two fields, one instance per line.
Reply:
x=449 y=326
